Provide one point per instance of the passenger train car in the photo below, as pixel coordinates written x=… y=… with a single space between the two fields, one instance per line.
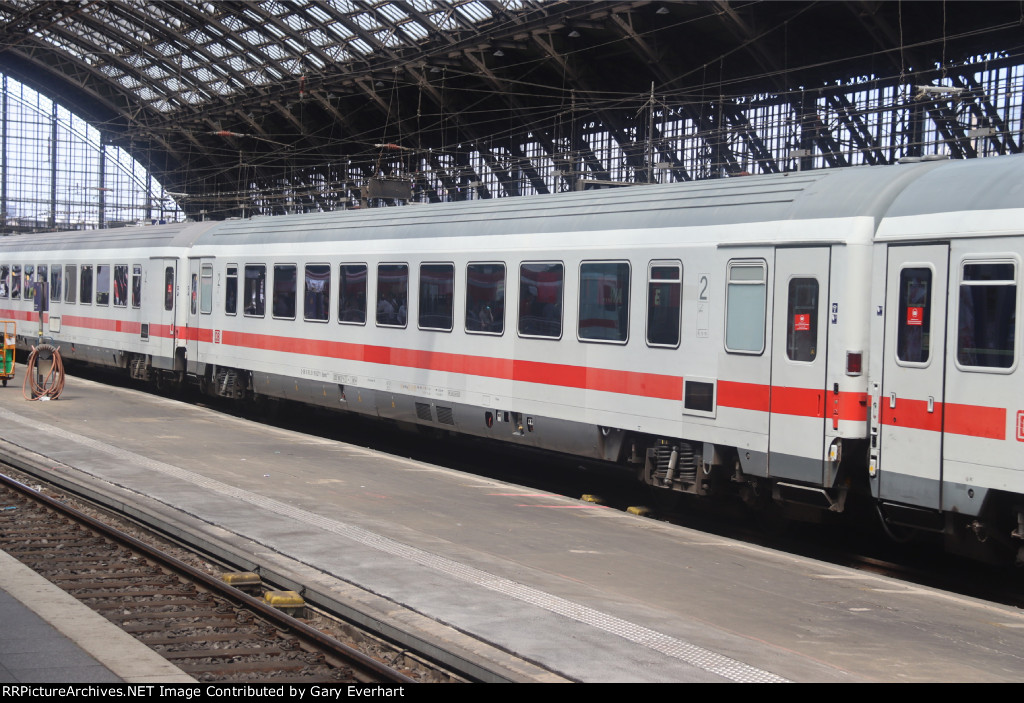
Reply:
x=792 y=338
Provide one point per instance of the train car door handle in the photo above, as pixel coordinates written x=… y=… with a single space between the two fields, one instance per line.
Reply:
x=931 y=404
x=892 y=400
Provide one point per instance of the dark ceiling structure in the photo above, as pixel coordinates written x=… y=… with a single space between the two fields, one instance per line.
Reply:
x=244 y=107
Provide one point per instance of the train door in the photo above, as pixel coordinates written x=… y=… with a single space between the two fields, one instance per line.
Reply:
x=799 y=356
x=165 y=331
x=913 y=378
x=200 y=305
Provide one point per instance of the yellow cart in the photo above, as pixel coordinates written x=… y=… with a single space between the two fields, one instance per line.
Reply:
x=10 y=333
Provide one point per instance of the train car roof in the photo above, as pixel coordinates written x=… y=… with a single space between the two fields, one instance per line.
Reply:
x=880 y=192
x=851 y=192
x=971 y=198
x=149 y=237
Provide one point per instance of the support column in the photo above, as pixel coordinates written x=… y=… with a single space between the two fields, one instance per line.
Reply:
x=4 y=170
x=52 y=222
x=101 y=215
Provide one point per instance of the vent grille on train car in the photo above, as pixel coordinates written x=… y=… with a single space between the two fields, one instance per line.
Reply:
x=445 y=415
x=423 y=411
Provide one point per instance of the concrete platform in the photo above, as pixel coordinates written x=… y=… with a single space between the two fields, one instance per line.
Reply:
x=46 y=636
x=536 y=586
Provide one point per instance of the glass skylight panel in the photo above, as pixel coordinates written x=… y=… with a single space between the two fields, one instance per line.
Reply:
x=189 y=61
x=339 y=31
x=345 y=7
x=387 y=37
x=197 y=37
x=274 y=51
x=337 y=53
x=360 y=46
x=148 y=94
x=318 y=13
x=475 y=11
x=167 y=49
x=157 y=73
x=275 y=8
x=297 y=22
x=232 y=22
x=64 y=46
x=256 y=76
x=414 y=30
x=205 y=74
x=366 y=21
x=316 y=38
x=129 y=82
x=253 y=37
x=236 y=63
x=392 y=12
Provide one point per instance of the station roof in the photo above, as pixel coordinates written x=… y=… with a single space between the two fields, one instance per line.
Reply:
x=187 y=86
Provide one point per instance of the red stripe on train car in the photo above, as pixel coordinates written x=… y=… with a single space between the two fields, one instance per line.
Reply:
x=975 y=420
x=912 y=414
x=744 y=396
x=804 y=402
x=852 y=406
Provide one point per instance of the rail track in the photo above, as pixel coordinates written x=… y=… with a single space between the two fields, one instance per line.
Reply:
x=210 y=630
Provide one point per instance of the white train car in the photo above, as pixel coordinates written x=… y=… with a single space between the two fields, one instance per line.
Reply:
x=787 y=336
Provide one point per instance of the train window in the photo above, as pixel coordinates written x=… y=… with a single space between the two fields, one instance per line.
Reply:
x=136 y=285
x=71 y=283
x=485 y=298
x=914 y=316
x=317 y=305
x=987 y=317
x=352 y=298
x=5 y=280
x=16 y=282
x=699 y=397
x=745 y=297
x=56 y=283
x=206 y=289
x=121 y=285
x=540 y=300
x=169 y=288
x=802 y=320
x=85 y=284
x=664 y=293
x=437 y=296
x=255 y=294
x=103 y=284
x=193 y=292
x=604 y=302
x=26 y=290
x=392 y=294
x=231 y=291
x=284 y=291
